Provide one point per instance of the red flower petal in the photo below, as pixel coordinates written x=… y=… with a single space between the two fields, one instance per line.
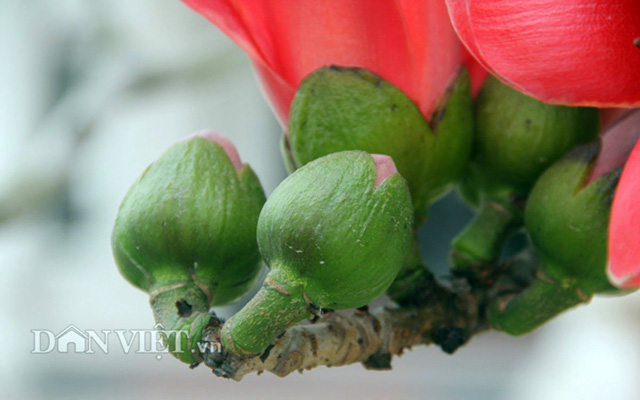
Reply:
x=624 y=227
x=411 y=43
x=577 y=52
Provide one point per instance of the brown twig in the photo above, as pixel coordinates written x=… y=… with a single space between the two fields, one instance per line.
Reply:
x=455 y=315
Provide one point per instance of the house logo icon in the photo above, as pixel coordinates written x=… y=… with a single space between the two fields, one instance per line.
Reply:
x=71 y=337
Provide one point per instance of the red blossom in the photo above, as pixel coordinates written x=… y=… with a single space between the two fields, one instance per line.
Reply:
x=410 y=43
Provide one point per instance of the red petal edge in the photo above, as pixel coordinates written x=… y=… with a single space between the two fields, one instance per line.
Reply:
x=623 y=269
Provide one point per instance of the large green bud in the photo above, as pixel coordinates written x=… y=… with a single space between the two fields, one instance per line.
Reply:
x=186 y=234
x=337 y=109
x=567 y=219
x=334 y=235
x=517 y=138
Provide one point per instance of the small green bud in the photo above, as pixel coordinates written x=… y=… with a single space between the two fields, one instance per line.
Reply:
x=567 y=220
x=338 y=109
x=185 y=232
x=334 y=235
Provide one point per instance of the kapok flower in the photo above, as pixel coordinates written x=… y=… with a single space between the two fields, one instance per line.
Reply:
x=410 y=43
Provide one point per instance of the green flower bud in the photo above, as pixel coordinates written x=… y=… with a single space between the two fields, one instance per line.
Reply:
x=567 y=220
x=185 y=234
x=337 y=109
x=334 y=235
x=517 y=138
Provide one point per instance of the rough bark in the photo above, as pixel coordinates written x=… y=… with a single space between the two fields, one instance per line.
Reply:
x=455 y=314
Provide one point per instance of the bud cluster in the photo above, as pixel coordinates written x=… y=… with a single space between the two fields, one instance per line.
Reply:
x=342 y=229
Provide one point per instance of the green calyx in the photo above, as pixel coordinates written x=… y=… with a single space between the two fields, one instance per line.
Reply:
x=188 y=224
x=338 y=109
x=517 y=138
x=567 y=220
x=332 y=240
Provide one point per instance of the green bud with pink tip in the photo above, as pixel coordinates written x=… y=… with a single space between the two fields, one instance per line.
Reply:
x=567 y=219
x=338 y=108
x=334 y=235
x=517 y=138
x=185 y=234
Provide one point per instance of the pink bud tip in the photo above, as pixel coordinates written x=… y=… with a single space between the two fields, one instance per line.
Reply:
x=385 y=167
x=224 y=142
x=617 y=142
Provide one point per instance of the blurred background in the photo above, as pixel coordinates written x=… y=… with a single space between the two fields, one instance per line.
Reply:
x=93 y=91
